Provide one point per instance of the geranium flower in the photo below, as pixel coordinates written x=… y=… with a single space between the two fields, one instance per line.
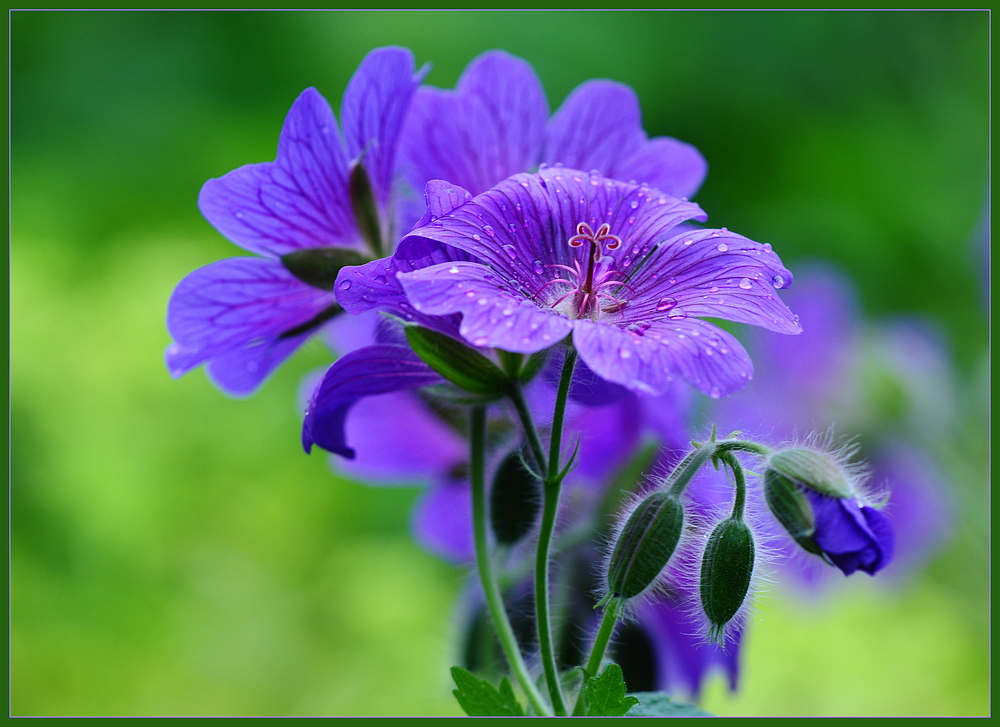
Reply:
x=325 y=201
x=564 y=252
x=852 y=535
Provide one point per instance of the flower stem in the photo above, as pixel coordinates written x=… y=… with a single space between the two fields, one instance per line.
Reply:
x=603 y=636
x=486 y=575
x=552 y=485
x=530 y=431
x=741 y=484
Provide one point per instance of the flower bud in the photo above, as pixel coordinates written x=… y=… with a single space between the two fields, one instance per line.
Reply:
x=725 y=572
x=645 y=545
x=461 y=365
x=815 y=470
x=319 y=266
x=365 y=208
x=791 y=508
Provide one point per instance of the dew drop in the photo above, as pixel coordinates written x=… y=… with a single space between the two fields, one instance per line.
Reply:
x=666 y=304
x=470 y=294
x=543 y=165
x=483 y=301
x=635 y=249
x=481 y=341
x=722 y=247
x=477 y=238
x=453 y=270
x=767 y=247
x=488 y=230
x=672 y=281
x=714 y=289
x=344 y=285
x=778 y=282
x=624 y=352
x=508 y=311
x=512 y=227
x=677 y=315
x=715 y=393
x=689 y=241
x=631 y=220
x=511 y=251
x=626 y=262
x=633 y=204
x=709 y=352
x=745 y=283
x=537 y=267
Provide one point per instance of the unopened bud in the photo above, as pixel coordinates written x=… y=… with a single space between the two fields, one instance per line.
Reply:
x=514 y=500
x=812 y=469
x=791 y=508
x=645 y=545
x=725 y=572
x=365 y=208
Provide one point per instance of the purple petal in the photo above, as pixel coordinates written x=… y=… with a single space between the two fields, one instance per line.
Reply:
x=442 y=521
x=237 y=314
x=491 y=126
x=297 y=201
x=598 y=126
x=397 y=439
x=648 y=361
x=608 y=436
x=366 y=372
x=667 y=164
x=845 y=532
x=714 y=274
x=490 y=316
x=373 y=110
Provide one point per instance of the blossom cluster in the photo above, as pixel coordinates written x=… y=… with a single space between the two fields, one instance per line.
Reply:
x=461 y=248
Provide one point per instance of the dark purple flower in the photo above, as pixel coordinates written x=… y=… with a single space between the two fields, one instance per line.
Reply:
x=496 y=123
x=852 y=535
x=564 y=252
x=244 y=316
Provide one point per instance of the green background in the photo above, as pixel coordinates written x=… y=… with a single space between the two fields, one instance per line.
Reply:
x=175 y=552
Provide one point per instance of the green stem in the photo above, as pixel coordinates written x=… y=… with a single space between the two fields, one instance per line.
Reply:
x=688 y=467
x=741 y=484
x=552 y=486
x=486 y=575
x=603 y=636
x=530 y=431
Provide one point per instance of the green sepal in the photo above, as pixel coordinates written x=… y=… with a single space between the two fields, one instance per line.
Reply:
x=365 y=209
x=604 y=695
x=815 y=470
x=645 y=544
x=726 y=569
x=319 y=266
x=790 y=507
x=461 y=365
x=660 y=704
x=479 y=698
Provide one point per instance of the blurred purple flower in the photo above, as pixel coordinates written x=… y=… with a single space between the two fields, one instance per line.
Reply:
x=244 y=316
x=561 y=252
x=829 y=374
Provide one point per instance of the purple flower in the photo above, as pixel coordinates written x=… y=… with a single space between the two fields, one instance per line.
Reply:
x=564 y=252
x=323 y=202
x=496 y=123
x=853 y=536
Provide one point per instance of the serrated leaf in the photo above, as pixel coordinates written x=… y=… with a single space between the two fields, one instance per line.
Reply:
x=461 y=365
x=479 y=698
x=659 y=704
x=604 y=695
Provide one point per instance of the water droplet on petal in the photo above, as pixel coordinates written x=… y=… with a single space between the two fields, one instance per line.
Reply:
x=745 y=284
x=672 y=280
x=624 y=352
x=481 y=341
x=715 y=393
x=543 y=165
x=666 y=304
x=767 y=247
x=470 y=294
x=488 y=230
x=722 y=247
x=778 y=282
x=453 y=270
x=677 y=315
x=508 y=311
x=689 y=241
x=483 y=301
x=631 y=220
x=512 y=227
x=635 y=249
x=239 y=215
x=344 y=285
x=537 y=267
x=714 y=289
x=511 y=251
x=709 y=352
x=633 y=204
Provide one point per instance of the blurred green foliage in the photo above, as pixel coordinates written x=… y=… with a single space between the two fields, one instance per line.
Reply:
x=174 y=552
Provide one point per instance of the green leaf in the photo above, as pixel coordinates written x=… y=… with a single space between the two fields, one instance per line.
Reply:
x=659 y=704
x=463 y=366
x=604 y=695
x=479 y=698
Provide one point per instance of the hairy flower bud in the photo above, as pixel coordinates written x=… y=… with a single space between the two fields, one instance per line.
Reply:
x=791 y=508
x=815 y=470
x=726 y=569
x=645 y=545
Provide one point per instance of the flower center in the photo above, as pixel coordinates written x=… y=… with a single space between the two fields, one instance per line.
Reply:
x=588 y=296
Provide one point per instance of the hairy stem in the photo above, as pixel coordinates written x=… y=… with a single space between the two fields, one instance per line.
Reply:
x=611 y=613
x=486 y=575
